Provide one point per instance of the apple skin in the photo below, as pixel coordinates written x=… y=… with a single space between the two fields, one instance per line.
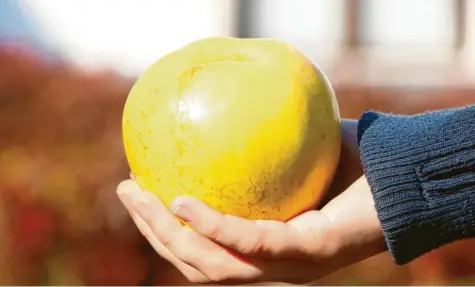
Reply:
x=249 y=126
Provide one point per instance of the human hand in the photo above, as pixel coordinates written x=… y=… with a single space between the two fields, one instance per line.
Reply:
x=220 y=248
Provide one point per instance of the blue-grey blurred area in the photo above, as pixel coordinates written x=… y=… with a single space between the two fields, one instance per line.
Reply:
x=61 y=151
x=16 y=23
x=18 y=26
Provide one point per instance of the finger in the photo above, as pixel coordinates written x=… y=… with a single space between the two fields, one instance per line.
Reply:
x=135 y=200
x=249 y=237
x=213 y=260
x=151 y=209
x=209 y=258
x=191 y=273
x=221 y=266
x=188 y=271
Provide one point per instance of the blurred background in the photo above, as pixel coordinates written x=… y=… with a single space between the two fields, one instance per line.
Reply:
x=66 y=68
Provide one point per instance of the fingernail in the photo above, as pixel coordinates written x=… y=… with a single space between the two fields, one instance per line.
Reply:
x=180 y=211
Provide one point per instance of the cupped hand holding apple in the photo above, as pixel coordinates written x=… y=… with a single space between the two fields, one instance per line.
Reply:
x=218 y=248
x=252 y=128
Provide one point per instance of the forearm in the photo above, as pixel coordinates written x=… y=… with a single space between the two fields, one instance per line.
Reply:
x=421 y=170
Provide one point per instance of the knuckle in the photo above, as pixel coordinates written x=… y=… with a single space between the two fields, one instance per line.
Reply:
x=253 y=244
x=251 y=248
x=212 y=230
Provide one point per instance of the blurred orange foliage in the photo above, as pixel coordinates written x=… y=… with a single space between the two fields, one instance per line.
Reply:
x=62 y=157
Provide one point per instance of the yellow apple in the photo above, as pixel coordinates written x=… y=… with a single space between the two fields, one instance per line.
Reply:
x=249 y=126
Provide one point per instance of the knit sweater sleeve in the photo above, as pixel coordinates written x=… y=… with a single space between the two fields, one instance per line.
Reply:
x=421 y=170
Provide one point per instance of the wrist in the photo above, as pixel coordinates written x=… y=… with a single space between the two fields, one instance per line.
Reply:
x=356 y=232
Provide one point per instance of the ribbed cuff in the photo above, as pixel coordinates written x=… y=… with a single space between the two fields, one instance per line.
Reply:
x=421 y=170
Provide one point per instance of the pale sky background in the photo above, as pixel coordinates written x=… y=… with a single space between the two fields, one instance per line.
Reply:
x=128 y=35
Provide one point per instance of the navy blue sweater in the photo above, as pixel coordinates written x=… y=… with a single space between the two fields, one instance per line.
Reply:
x=421 y=170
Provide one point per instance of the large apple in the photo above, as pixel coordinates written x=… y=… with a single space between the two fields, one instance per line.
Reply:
x=250 y=126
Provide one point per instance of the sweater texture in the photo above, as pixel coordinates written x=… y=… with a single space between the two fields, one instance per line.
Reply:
x=421 y=170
